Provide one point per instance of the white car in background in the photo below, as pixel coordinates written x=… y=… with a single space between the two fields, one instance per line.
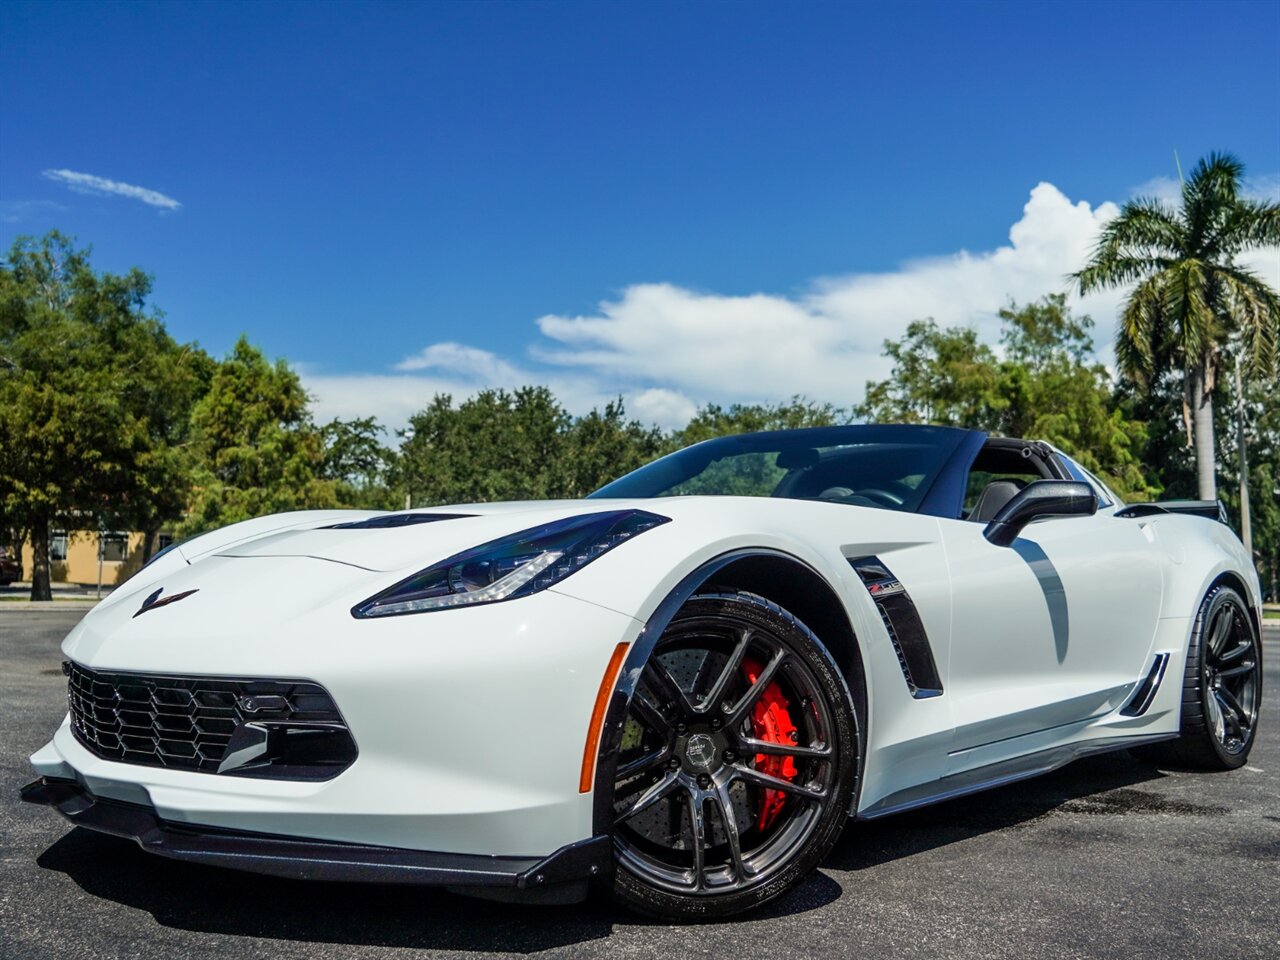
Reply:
x=678 y=689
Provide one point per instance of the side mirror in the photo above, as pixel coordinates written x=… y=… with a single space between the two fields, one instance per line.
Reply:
x=1038 y=499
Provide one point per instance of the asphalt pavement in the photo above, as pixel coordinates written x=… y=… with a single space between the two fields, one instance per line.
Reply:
x=1108 y=857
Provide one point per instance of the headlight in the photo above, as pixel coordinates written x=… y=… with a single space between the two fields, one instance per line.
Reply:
x=513 y=566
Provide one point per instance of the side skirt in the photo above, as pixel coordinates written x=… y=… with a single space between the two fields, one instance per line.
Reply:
x=1001 y=773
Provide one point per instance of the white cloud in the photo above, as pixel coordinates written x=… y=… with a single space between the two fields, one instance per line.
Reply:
x=710 y=346
x=667 y=408
x=1165 y=189
x=393 y=398
x=20 y=211
x=668 y=349
x=1169 y=191
x=88 y=183
x=1265 y=187
x=826 y=342
x=462 y=361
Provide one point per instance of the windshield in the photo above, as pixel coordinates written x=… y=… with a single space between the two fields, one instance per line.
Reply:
x=870 y=466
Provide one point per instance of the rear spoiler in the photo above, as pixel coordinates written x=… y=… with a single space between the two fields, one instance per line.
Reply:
x=1209 y=509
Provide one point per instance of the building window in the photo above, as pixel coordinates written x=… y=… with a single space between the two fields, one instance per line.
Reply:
x=163 y=541
x=115 y=547
x=58 y=545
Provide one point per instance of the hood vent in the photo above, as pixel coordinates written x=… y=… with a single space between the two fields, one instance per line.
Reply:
x=390 y=520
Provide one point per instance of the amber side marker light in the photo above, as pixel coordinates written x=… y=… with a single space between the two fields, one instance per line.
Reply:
x=597 y=717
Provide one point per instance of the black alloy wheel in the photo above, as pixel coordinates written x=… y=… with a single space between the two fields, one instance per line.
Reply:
x=737 y=764
x=1222 y=687
x=1232 y=676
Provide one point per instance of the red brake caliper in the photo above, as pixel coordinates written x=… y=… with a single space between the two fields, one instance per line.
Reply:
x=771 y=722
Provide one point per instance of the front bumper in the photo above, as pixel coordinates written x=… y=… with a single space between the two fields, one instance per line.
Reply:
x=561 y=877
x=470 y=723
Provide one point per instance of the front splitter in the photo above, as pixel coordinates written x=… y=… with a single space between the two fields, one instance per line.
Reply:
x=561 y=877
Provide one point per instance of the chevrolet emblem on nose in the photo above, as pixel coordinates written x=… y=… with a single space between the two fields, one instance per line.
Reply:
x=154 y=600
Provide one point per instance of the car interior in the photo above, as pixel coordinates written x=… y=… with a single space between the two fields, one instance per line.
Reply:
x=868 y=476
x=1002 y=468
x=891 y=476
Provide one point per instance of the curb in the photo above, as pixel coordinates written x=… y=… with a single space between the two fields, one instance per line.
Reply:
x=85 y=605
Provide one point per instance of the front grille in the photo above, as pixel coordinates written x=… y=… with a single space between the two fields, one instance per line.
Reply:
x=185 y=723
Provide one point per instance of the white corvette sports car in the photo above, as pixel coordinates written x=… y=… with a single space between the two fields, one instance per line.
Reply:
x=678 y=689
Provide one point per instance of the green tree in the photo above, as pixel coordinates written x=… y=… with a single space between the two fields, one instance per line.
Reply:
x=745 y=475
x=1052 y=392
x=358 y=463
x=1192 y=304
x=176 y=377
x=716 y=421
x=521 y=445
x=258 y=451
x=493 y=446
x=603 y=445
x=1261 y=422
x=1045 y=388
x=83 y=409
x=940 y=376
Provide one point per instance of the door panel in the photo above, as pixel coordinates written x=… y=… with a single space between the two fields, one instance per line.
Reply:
x=1051 y=631
x=909 y=729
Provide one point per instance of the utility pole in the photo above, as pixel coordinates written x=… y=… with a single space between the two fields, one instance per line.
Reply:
x=1246 y=526
x=101 y=546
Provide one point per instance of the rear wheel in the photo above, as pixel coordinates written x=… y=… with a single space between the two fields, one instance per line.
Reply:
x=1221 y=688
x=737 y=763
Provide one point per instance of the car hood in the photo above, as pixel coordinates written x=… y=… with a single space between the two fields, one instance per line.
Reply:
x=281 y=578
x=360 y=541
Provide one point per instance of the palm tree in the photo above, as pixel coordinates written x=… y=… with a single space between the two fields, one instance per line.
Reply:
x=1192 y=305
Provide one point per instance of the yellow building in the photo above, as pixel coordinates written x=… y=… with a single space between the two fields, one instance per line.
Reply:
x=74 y=556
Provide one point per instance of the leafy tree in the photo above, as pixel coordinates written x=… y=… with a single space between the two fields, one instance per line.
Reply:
x=940 y=376
x=84 y=416
x=518 y=446
x=603 y=445
x=257 y=449
x=1168 y=450
x=177 y=377
x=747 y=475
x=1045 y=388
x=1052 y=392
x=493 y=446
x=1262 y=437
x=358 y=463
x=1192 y=301
x=716 y=421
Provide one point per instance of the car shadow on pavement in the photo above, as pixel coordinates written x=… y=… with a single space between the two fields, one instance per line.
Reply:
x=216 y=901
x=1094 y=783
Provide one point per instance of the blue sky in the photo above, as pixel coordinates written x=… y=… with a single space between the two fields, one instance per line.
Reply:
x=679 y=202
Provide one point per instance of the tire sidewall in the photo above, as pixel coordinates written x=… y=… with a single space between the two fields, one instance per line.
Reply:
x=756 y=611
x=1217 y=598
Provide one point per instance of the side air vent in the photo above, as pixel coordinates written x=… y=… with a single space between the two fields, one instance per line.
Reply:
x=388 y=520
x=902 y=621
x=1142 y=698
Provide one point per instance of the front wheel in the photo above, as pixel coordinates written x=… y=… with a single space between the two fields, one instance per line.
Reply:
x=737 y=764
x=1221 y=688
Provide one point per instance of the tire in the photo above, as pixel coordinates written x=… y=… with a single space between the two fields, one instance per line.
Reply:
x=1221 y=689
x=706 y=825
